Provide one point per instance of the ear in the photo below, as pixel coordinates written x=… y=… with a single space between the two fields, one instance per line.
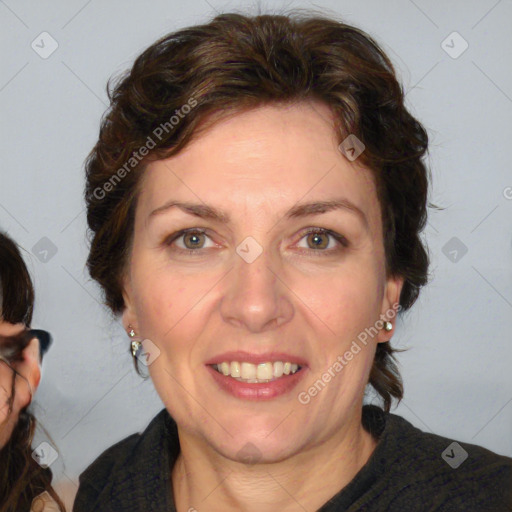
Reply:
x=128 y=316
x=390 y=306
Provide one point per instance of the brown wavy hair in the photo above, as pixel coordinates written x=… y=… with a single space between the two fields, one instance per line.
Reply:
x=21 y=477
x=237 y=62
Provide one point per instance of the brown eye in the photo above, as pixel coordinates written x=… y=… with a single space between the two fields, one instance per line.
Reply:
x=318 y=240
x=323 y=241
x=193 y=240
x=190 y=242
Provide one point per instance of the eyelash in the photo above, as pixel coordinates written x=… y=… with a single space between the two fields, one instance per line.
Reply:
x=200 y=231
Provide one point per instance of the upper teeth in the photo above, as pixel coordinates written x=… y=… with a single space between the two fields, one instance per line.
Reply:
x=262 y=371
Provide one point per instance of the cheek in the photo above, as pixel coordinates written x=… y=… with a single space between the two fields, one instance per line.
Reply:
x=166 y=307
x=347 y=301
x=155 y=307
x=154 y=290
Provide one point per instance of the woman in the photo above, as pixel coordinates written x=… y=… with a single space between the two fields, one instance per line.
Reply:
x=24 y=484
x=255 y=200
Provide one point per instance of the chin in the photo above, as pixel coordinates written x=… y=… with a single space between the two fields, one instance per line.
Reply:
x=268 y=442
x=257 y=450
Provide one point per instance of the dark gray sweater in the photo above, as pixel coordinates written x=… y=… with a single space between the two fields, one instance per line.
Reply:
x=409 y=471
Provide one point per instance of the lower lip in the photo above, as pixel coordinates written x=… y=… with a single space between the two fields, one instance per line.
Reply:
x=257 y=390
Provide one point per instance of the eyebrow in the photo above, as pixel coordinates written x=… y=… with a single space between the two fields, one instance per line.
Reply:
x=205 y=211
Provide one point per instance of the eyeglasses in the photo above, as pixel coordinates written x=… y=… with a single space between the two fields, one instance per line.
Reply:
x=11 y=347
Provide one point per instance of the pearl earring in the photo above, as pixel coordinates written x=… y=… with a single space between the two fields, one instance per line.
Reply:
x=388 y=326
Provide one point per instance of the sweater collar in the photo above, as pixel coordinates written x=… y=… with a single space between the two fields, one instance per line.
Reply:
x=147 y=474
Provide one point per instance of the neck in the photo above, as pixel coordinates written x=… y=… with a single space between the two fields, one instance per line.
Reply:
x=203 y=479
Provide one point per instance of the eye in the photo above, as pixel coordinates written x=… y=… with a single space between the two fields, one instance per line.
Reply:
x=191 y=239
x=317 y=239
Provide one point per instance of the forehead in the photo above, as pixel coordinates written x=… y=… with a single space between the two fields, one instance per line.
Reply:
x=267 y=158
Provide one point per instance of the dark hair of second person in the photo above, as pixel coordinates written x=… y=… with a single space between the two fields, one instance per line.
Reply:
x=21 y=478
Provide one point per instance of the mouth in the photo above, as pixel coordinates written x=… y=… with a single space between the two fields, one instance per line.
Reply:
x=250 y=376
x=261 y=373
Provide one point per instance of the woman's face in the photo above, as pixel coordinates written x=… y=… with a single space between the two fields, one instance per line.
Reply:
x=253 y=286
x=28 y=376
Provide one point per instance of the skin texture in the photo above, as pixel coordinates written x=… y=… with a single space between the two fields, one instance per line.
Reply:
x=296 y=298
x=28 y=368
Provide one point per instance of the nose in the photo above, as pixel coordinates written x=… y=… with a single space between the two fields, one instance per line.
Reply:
x=256 y=296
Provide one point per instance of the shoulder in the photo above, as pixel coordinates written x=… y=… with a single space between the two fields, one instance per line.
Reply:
x=118 y=469
x=108 y=462
x=448 y=472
